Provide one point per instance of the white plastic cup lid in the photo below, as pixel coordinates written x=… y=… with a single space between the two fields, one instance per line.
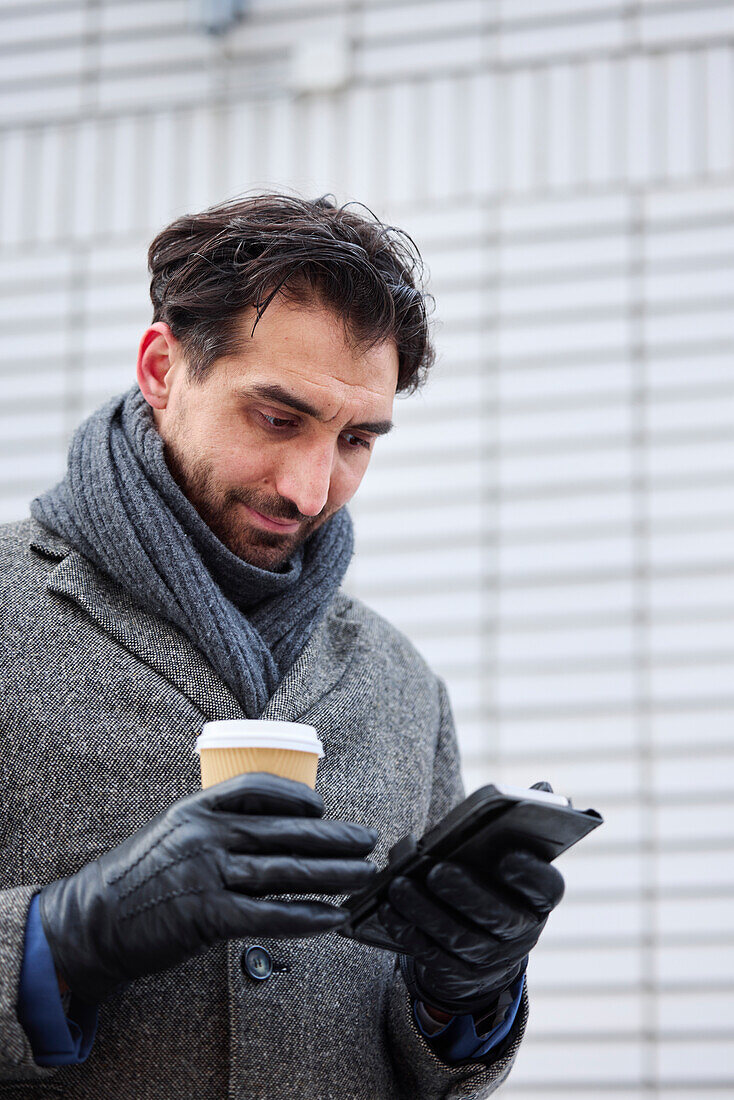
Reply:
x=242 y=733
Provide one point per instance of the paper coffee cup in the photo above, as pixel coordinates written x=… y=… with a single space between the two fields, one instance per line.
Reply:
x=240 y=745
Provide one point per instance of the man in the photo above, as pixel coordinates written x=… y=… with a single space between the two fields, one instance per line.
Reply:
x=163 y=941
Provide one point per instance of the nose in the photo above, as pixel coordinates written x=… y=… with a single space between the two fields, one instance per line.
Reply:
x=305 y=477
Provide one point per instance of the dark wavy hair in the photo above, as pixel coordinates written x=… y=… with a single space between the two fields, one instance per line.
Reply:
x=207 y=268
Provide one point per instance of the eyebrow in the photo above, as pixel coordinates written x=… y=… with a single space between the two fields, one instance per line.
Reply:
x=274 y=392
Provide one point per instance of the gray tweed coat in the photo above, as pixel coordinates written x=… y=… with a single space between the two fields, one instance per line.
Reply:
x=101 y=702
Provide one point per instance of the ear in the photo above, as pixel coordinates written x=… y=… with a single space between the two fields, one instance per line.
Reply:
x=158 y=356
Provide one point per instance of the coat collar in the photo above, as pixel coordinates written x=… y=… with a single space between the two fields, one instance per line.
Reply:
x=168 y=650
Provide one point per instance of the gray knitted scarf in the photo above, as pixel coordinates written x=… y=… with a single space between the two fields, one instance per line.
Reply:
x=119 y=506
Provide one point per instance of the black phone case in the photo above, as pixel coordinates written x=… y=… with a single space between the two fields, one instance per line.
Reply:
x=475 y=833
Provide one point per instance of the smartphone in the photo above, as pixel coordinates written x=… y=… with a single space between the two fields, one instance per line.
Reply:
x=493 y=820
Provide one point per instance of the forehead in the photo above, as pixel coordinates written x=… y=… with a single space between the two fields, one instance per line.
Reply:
x=308 y=347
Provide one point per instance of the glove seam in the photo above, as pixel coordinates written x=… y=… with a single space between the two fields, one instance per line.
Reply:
x=146 y=852
x=152 y=902
x=159 y=870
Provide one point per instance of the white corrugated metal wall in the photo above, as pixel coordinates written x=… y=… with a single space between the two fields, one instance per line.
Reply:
x=552 y=521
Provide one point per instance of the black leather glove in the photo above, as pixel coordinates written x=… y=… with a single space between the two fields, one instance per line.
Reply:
x=196 y=874
x=468 y=936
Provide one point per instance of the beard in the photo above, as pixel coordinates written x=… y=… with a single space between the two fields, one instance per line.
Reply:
x=221 y=511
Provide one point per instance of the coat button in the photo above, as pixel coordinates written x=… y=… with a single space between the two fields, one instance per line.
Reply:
x=257 y=962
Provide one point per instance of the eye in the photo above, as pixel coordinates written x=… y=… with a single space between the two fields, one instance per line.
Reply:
x=356 y=441
x=277 y=421
x=282 y=423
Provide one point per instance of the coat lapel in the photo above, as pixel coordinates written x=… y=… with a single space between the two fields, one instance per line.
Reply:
x=168 y=650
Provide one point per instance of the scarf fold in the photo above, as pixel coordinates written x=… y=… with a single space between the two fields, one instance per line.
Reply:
x=119 y=506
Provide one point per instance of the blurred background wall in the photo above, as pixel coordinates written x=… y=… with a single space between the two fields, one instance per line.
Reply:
x=552 y=522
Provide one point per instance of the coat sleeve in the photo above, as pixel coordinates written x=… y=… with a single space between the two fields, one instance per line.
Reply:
x=421 y=1071
x=16 y=1056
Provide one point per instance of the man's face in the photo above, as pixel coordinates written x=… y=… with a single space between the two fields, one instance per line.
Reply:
x=280 y=434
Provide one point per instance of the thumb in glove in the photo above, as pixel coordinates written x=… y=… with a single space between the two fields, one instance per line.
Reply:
x=467 y=936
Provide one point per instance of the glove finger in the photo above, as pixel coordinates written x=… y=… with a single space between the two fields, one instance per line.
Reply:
x=240 y=916
x=447 y=927
x=296 y=836
x=480 y=903
x=538 y=883
x=419 y=944
x=262 y=793
x=255 y=875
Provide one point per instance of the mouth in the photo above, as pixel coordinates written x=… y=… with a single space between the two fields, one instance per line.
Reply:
x=285 y=527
